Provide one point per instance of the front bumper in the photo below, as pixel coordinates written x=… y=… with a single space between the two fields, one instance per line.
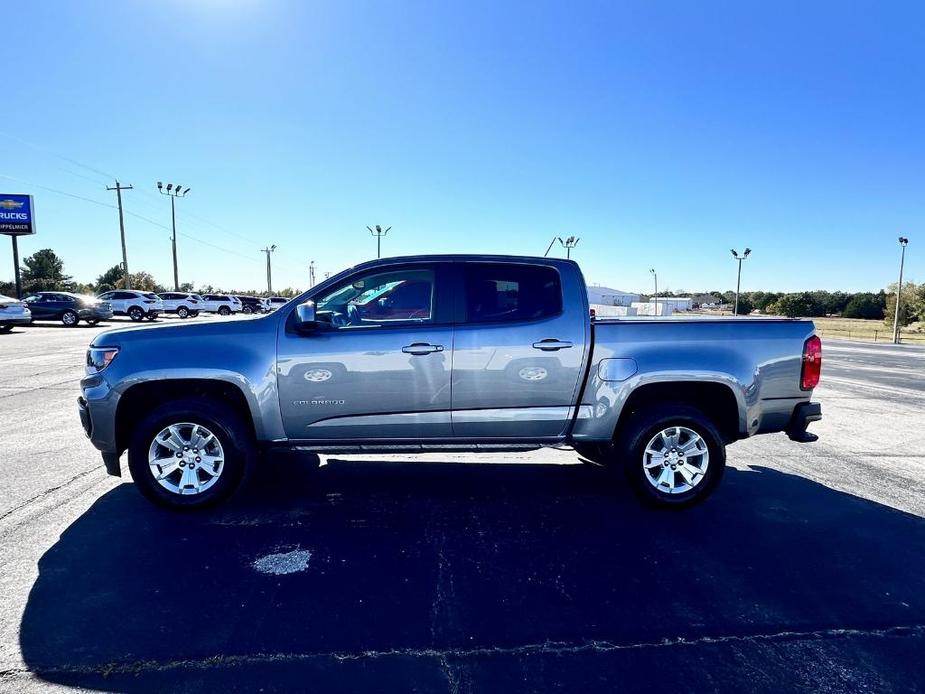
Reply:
x=804 y=414
x=110 y=458
x=15 y=318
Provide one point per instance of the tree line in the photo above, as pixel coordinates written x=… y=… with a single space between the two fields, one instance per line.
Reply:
x=43 y=271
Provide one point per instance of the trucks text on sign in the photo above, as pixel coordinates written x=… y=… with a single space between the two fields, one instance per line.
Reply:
x=16 y=215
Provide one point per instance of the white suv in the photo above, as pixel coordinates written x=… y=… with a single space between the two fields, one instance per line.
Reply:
x=274 y=302
x=134 y=304
x=181 y=303
x=222 y=304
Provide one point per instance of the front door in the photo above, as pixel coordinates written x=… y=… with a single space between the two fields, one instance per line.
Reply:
x=517 y=356
x=377 y=366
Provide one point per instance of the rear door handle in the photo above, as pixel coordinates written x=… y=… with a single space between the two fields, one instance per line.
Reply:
x=421 y=348
x=551 y=344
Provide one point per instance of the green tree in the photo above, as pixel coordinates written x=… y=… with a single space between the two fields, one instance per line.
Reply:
x=865 y=305
x=110 y=278
x=43 y=271
x=799 y=305
x=913 y=304
x=745 y=305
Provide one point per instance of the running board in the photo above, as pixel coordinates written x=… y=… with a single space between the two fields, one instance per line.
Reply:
x=423 y=448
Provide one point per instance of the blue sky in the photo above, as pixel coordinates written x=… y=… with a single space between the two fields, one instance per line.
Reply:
x=661 y=133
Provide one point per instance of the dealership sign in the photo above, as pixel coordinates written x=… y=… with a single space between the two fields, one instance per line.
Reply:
x=17 y=216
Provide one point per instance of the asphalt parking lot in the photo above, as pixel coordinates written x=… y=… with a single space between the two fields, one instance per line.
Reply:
x=805 y=572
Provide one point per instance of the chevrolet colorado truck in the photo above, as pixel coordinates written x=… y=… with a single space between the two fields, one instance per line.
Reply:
x=431 y=353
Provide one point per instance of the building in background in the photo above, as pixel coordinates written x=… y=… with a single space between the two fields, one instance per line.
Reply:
x=605 y=296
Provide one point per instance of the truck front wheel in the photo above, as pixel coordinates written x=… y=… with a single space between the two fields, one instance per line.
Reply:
x=190 y=453
x=672 y=454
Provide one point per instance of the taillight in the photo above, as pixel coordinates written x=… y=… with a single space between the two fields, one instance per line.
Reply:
x=812 y=363
x=193 y=301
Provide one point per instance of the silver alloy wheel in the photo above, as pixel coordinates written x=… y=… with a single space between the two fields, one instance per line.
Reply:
x=69 y=318
x=676 y=460
x=318 y=375
x=533 y=373
x=186 y=458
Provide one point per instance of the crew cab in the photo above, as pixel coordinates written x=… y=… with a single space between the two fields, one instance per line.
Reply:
x=432 y=353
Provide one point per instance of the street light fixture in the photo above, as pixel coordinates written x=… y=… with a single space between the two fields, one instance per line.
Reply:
x=899 y=289
x=569 y=244
x=655 y=276
x=740 y=258
x=378 y=232
x=174 y=191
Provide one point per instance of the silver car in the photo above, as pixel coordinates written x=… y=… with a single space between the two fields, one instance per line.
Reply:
x=13 y=312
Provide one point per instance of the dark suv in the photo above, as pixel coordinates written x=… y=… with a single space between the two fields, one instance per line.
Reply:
x=250 y=304
x=68 y=308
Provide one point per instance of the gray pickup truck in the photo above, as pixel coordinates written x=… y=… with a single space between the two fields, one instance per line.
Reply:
x=431 y=353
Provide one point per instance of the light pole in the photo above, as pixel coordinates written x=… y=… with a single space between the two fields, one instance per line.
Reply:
x=740 y=258
x=378 y=232
x=569 y=244
x=311 y=273
x=268 y=250
x=899 y=289
x=655 y=276
x=174 y=192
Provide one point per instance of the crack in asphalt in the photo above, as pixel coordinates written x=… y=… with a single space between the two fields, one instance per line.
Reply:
x=442 y=655
x=45 y=493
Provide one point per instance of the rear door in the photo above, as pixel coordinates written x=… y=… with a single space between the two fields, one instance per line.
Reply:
x=518 y=355
x=378 y=366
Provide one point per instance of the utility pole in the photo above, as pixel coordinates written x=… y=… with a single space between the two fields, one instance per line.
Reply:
x=127 y=282
x=899 y=289
x=16 y=267
x=740 y=258
x=568 y=245
x=311 y=273
x=268 y=250
x=655 y=275
x=174 y=192
x=379 y=232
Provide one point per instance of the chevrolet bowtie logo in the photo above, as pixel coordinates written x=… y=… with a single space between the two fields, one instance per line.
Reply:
x=10 y=204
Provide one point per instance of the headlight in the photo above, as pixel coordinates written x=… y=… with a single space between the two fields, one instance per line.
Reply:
x=98 y=358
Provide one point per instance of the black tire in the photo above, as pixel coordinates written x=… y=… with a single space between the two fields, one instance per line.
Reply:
x=183 y=312
x=247 y=309
x=92 y=321
x=194 y=314
x=151 y=316
x=229 y=428
x=5 y=328
x=630 y=452
x=70 y=318
x=136 y=313
x=223 y=310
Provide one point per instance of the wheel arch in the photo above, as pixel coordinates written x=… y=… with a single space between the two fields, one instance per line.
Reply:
x=142 y=396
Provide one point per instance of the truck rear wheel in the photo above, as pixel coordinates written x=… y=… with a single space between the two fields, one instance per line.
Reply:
x=190 y=453
x=672 y=454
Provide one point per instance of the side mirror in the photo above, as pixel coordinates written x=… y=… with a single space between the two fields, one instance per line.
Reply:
x=305 y=316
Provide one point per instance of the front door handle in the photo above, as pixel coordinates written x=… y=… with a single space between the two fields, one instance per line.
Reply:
x=421 y=348
x=551 y=344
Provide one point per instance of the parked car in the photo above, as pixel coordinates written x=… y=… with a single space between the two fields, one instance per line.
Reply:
x=137 y=305
x=365 y=362
x=13 y=312
x=222 y=304
x=68 y=308
x=272 y=303
x=184 y=304
x=251 y=304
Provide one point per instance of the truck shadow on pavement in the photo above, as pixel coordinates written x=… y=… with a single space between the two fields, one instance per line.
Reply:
x=520 y=577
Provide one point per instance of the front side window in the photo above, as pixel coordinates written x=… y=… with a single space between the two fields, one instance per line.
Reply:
x=501 y=292
x=385 y=298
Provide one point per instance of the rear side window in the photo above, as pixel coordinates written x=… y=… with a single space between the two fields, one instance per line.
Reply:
x=500 y=292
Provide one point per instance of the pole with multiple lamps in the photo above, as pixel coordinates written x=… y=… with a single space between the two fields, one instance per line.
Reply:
x=174 y=191
x=740 y=258
x=378 y=232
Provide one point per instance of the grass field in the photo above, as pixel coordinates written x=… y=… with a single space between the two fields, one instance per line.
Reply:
x=859 y=329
